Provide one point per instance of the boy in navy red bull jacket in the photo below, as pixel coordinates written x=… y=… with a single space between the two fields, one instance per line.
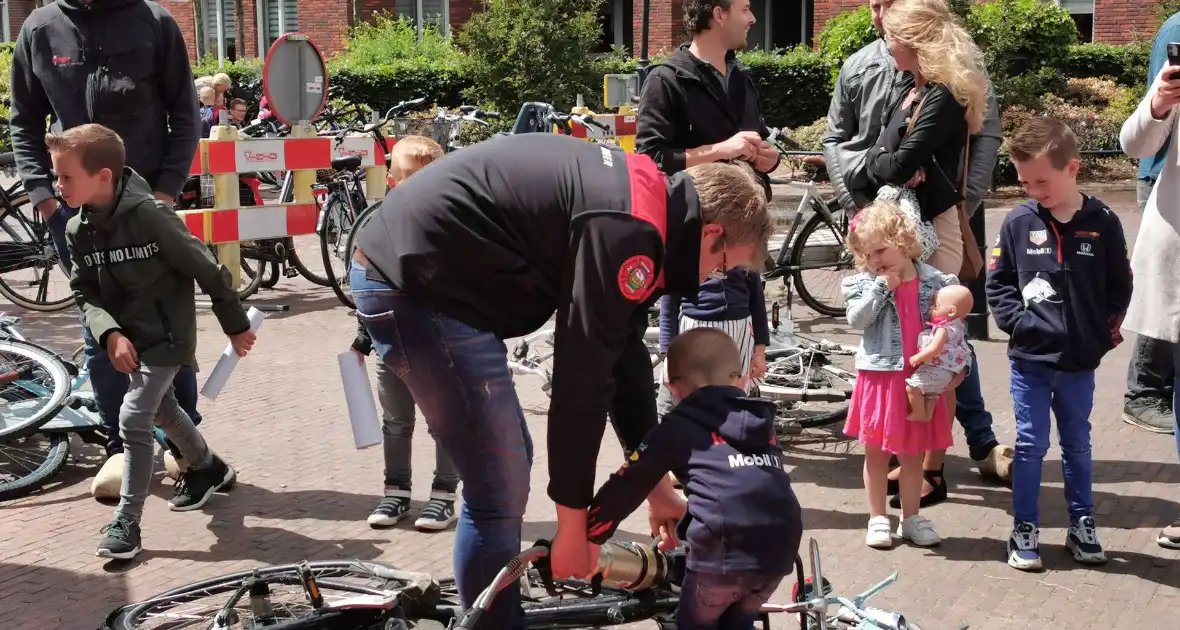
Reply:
x=743 y=525
x=1058 y=284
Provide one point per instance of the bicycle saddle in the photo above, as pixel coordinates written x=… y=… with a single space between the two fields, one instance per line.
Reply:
x=346 y=163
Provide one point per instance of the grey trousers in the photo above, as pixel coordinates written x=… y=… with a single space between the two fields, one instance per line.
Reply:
x=150 y=399
x=397 y=411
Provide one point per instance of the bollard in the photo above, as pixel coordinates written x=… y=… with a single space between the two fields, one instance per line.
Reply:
x=977 y=321
x=225 y=195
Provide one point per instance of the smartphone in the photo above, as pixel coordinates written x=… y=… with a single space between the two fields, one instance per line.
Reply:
x=1174 y=59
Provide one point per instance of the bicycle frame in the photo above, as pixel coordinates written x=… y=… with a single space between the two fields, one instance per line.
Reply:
x=811 y=199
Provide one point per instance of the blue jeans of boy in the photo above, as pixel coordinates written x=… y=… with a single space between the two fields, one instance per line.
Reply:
x=459 y=377
x=711 y=601
x=1037 y=389
x=109 y=384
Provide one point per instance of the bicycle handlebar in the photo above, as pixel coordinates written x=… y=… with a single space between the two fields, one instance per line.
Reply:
x=563 y=121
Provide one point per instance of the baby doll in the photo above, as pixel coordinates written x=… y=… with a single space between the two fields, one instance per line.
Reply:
x=944 y=352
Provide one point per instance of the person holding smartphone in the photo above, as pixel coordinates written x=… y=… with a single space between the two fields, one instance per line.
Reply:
x=1156 y=297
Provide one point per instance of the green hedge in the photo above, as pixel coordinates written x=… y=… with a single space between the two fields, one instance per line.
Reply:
x=1126 y=64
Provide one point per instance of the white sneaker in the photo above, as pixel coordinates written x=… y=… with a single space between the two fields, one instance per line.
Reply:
x=918 y=530
x=879 y=535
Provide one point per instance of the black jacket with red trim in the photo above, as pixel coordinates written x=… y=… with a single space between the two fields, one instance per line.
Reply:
x=743 y=517
x=505 y=233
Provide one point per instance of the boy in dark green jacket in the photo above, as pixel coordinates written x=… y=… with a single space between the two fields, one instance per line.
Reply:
x=134 y=267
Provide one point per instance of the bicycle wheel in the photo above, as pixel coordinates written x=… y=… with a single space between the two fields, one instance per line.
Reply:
x=270 y=278
x=34 y=385
x=818 y=251
x=809 y=390
x=31 y=273
x=319 y=279
x=30 y=462
x=196 y=605
x=342 y=288
x=251 y=273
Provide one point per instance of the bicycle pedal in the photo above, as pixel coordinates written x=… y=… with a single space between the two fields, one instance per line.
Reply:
x=290 y=272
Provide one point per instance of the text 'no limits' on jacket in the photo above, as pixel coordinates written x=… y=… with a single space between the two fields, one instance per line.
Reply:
x=134 y=267
x=1060 y=290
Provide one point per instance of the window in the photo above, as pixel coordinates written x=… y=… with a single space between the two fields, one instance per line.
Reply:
x=426 y=13
x=1082 y=12
x=780 y=24
x=275 y=19
x=615 y=18
x=222 y=41
x=7 y=24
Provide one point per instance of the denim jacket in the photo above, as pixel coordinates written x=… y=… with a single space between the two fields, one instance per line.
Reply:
x=871 y=309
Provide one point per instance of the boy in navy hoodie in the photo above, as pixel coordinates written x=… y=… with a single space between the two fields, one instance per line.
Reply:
x=743 y=524
x=1058 y=284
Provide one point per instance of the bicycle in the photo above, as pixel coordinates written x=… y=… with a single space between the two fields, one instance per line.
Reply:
x=816 y=241
x=28 y=258
x=635 y=583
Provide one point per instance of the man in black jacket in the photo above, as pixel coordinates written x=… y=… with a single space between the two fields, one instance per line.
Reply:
x=701 y=104
x=122 y=64
x=487 y=244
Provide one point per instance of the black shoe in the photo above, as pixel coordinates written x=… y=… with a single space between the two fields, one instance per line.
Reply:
x=121 y=541
x=892 y=487
x=937 y=481
x=392 y=508
x=1149 y=413
x=196 y=485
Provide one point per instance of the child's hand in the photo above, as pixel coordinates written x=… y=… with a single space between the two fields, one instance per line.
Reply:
x=917 y=360
x=891 y=278
x=122 y=353
x=242 y=342
x=758 y=363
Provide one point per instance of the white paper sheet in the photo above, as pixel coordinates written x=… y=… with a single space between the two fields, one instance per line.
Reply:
x=229 y=360
x=358 y=395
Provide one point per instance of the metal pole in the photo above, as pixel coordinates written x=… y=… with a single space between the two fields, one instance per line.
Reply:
x=643 y=42
x=220 y=6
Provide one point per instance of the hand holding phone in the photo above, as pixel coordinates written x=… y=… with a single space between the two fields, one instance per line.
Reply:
x=1166 y=94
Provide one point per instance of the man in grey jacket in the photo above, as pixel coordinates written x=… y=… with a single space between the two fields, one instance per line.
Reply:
x=865 y=89
x=122 y=64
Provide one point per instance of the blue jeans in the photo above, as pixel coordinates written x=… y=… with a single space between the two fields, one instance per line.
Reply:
x=973 y=415
x=109 y=384
x=1038 y=388
x=459 y=377
x=711 y=601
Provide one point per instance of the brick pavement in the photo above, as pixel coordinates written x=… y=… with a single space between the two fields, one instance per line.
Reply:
x=303 y=492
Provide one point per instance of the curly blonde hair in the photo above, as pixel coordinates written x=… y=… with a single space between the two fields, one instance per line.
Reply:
x=946 y=53
x=882 y=222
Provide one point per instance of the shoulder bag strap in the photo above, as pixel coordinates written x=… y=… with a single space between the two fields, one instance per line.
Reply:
x=914 y=116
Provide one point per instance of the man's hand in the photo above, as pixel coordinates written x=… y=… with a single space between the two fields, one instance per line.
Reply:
x=765 y=158
x=48 y=207
x=742 y=146
x=122 y=353
x=1167 y=92
x=569 y=553
x=165 y=197
x=758 y=363
x=242 y=342
x=666 y=508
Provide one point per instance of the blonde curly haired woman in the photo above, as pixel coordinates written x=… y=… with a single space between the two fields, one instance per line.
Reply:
x=943 y=100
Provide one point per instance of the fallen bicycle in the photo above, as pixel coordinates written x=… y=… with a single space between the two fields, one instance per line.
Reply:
x=635 y=583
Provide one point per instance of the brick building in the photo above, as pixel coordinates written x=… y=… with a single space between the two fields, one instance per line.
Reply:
x=249 y=26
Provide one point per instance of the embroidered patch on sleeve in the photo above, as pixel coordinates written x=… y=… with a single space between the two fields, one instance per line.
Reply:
x=636 y=277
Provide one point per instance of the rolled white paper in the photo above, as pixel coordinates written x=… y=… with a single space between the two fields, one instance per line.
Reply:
x=229 y=360
x=358 y=395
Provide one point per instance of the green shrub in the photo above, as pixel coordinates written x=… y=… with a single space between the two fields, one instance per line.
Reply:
x=383 y=86
x=845 y=34
x=1026 y=89
x=794 y=87
x=387 y=40
x=1021 y=36
x=1126 y=64
x=240 y=72
x=530 y=50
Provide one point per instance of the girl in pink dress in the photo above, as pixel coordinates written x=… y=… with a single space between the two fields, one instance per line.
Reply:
x=889 y=301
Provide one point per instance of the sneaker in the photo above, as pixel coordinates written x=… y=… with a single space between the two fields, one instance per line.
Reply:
x=919 y=530
x=121 y=540
x=174 y=466
x=196 y=485
x=391 y=509
x=1082 y=542
x=879 y=535
x=1169 y=537
x=439 y=512
x=998 y=463
x=1150 y=414
x=1024 y=550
